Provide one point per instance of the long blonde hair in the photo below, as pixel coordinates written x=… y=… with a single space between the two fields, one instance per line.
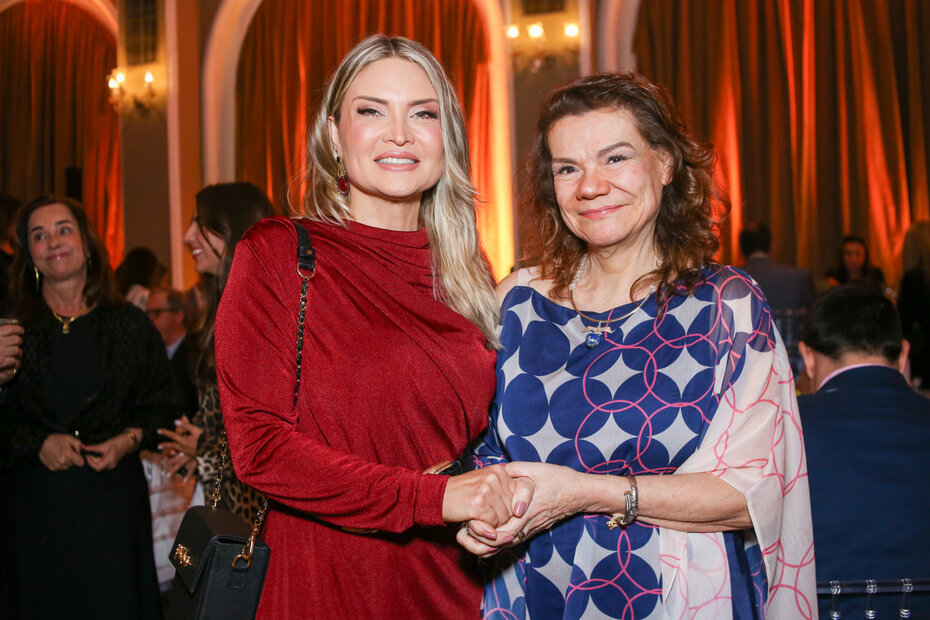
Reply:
x=463 y=277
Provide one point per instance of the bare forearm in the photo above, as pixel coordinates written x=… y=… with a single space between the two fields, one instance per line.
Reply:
x=686 y=502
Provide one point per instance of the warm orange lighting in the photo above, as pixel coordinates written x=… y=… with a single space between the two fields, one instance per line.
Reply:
x=571 y=30
x=535 y=30
x=513 y=32
x=133 y=94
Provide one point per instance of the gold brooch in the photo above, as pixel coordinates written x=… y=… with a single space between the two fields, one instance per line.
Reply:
x=182 y=556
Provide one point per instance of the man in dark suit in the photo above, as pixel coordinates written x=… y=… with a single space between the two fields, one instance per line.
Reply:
x=785 y=287
x=867 y=436
x=169 y=496
x=165 y=308
x=789 y=290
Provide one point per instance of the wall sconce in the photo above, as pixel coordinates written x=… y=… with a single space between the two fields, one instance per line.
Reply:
x=122 y=100
x=531 y=51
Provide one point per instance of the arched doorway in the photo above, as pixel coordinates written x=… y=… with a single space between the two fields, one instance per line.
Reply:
x=221 y=63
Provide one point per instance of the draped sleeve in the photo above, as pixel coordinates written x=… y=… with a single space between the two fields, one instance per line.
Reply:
x=754 y=442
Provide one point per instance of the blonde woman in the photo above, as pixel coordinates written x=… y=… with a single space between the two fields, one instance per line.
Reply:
x=398 y=355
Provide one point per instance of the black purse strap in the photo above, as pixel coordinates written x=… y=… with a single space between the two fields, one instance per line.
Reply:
x=306 y=269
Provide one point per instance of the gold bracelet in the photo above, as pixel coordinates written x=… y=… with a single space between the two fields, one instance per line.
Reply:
x=134 y=437
x=631 y=500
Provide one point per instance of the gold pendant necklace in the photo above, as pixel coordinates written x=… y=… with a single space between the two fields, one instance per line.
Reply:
x=66 y=321
x=594 y=335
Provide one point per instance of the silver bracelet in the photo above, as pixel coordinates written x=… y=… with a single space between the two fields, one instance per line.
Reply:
x=631 y=508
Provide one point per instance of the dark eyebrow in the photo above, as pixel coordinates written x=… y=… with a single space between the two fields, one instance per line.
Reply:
x=372 y=99
x=610 y=148
x=600 y=153
x=385 y=102
x=58 y=223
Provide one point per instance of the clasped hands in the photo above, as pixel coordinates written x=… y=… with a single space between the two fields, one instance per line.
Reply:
x=503 y=505
x=60 y=451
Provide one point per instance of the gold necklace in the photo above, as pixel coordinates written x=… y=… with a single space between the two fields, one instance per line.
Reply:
x=66 y=321
x=594 y=335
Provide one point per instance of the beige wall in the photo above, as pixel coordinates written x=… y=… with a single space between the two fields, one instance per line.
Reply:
x=535 y=73
x=144 y=154
x=161 y=150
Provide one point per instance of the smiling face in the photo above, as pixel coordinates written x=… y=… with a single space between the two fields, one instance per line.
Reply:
x=389 y=135
x=608 y=180
x=206 y=247
x=55 y=243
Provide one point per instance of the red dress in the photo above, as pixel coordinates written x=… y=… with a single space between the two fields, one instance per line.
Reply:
x=393 y=382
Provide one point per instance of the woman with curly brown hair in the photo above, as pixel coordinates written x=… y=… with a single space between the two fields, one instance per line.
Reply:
x=641 y=386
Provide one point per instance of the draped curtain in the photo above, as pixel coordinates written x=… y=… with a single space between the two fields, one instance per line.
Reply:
x=55 y=112
x=816 y=109
x=293 y=46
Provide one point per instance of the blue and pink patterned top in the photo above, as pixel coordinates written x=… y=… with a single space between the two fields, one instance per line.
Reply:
x=706 y=387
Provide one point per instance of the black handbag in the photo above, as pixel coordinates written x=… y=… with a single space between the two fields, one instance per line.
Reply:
x=220 y=563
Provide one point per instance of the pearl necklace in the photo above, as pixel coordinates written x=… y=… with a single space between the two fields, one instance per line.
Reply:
x=594 y=335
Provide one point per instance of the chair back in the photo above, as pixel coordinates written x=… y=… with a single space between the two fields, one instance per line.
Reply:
x=876 y=594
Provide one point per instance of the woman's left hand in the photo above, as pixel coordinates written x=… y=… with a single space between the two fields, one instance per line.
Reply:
x=108 y=454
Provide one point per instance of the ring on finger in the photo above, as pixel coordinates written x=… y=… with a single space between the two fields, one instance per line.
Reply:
x=521 y=536
x=466 y=528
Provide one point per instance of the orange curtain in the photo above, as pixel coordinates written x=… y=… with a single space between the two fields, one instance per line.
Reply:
x=816 y=108
x=292 y=48
x=55 y=113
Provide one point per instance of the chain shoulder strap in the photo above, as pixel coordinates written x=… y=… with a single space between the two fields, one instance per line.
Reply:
x=224 y=450
x=306 y=269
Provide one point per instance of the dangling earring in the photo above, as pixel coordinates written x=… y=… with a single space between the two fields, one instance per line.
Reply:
x=342 y=179
x=38 y=282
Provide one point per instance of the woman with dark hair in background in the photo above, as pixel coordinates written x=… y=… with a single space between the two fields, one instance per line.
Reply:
x=854 y=266
x=641 y=386
x=224 y=212
x=138 y=274
x=93 y=386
